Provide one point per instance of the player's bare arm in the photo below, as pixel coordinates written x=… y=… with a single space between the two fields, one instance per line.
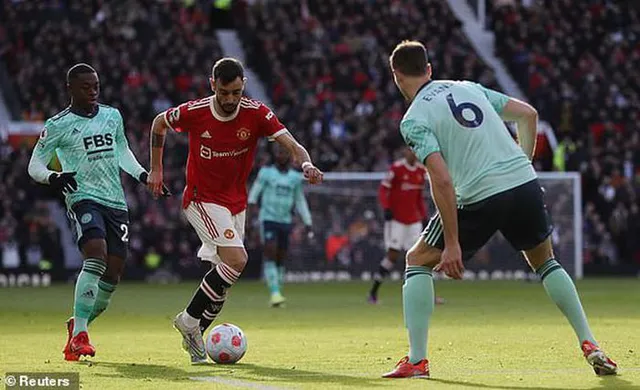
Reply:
x=301 y=156
x=444 y=196
x=526 y=118
x=158 y=134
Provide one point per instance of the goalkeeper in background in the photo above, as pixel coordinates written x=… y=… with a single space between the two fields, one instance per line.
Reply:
x=92 y=148
x=281 y=190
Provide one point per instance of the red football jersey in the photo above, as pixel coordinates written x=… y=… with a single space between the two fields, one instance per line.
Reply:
x=401 y=191
x=221 y=149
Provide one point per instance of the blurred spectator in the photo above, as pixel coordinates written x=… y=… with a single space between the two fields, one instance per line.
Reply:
x=578 y=63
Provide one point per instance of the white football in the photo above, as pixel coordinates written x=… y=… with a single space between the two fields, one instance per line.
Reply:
x=226 y=344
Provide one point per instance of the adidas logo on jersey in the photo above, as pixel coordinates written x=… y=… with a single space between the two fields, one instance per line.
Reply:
x=205 y=134
x=88 y=294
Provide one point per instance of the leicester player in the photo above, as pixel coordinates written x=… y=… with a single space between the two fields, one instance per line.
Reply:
x=90 y=142
x=280 y=190
x=481 y=182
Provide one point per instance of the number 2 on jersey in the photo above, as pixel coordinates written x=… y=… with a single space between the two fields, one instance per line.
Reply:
x=456 y=110
x=125 y=234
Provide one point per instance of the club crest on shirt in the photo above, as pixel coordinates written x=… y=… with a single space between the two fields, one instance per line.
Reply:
x=243 y=134
x=86 y=218
x=228 y=234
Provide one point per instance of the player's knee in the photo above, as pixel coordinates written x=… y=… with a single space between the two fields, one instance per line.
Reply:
x=270 y=250
x=280 y=255
x=423 y=255
x=411 y=258
x=393 y=255
x=234 y=257
x=96 y=249
x=111 y=278
x=538 y=255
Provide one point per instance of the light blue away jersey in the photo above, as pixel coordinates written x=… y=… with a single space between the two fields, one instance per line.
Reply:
x=461 y=120
x=280 y=191
x=94 y=147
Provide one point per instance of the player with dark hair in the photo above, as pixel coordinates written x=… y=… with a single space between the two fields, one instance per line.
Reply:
x=91 y=145
x=481 y=182
x=279 y=189
x=223 y=131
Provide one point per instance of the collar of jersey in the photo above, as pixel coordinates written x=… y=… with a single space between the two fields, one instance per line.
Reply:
x=84 y=115
x=220 y=117
x=423 y=86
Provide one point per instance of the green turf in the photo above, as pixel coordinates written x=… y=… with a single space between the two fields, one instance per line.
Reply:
x=489 y=335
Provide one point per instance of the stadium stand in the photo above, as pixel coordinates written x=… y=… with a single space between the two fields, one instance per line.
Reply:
x=577 y=61
x=149 y=55
x=325 y=65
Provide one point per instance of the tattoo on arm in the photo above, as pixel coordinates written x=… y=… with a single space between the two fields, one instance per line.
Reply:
x=157 y=140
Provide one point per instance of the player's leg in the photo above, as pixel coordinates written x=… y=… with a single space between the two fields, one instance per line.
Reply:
x=418 y=304
x=394 y=236
x=282 y=241
x=90 y=230
x=385 y=267
x=214 y=308
x=212 y=311
x=562 y=291
x=418 y=297
x=414 y=230
x=215 y=227
x=117 y=225
x=528 y=229
x=270 y=248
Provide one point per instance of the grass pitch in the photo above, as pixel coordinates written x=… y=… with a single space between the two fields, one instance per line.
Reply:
x=489 y=335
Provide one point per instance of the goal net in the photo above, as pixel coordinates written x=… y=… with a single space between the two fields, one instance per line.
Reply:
x=348 y=225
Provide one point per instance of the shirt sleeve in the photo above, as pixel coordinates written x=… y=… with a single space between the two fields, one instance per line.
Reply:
x=419 y=138
x=270 y=125
x=43 y=153
x=179 y=118
x=126 y=158
x=302 y=207
x=497 y=99
x=257 y=187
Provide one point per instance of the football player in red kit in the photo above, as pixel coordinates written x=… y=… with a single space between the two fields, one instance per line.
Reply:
x=223 y=131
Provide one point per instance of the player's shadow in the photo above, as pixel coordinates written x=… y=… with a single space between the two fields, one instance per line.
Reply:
x=242 y=371
x=249 y=372
x=606 y=382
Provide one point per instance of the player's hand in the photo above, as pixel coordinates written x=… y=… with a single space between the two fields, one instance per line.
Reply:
x=144 y=179
x=388 y=215
x=451 y=262
x=309 y=233
x=312 y=174
x=154 y=183
x=63 y=182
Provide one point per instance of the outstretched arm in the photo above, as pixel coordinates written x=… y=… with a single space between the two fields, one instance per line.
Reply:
x=444 y=196
x=256 y=188
x=41 y=156
x=126 y=159
x=301 y=156
x=526 y=118
x=157 y=136
x=302 y=207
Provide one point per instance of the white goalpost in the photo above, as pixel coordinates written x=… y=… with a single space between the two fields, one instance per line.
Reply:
x=348 y=223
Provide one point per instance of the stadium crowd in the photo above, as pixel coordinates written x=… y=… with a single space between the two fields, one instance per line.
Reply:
x=325 y=66
x=578 y=62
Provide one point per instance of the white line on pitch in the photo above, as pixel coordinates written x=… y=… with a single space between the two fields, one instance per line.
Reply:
x=234 y=382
